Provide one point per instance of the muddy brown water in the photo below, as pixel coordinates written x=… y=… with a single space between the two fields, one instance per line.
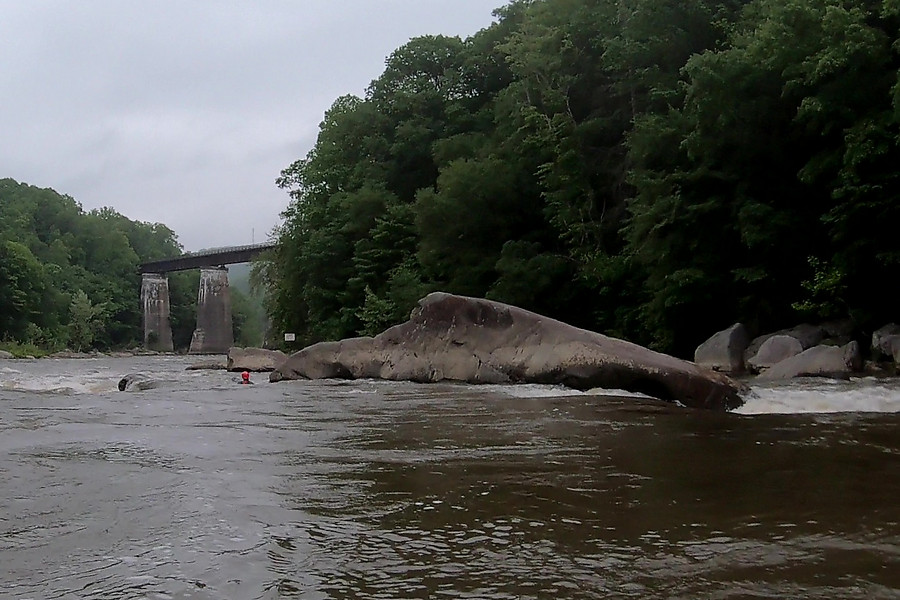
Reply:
x=202 y=488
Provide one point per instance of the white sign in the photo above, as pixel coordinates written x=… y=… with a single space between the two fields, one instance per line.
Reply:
x=290 y=337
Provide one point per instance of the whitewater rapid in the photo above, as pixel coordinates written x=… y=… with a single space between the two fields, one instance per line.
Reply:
x=101 y=376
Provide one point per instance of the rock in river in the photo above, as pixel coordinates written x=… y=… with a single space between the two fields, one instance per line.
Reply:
x=472 y=340
x=254 y=359
x=137 y=382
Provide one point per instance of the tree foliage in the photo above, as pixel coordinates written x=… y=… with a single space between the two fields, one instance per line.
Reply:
x=655 y=169
x=69 y=278
x=754 y=180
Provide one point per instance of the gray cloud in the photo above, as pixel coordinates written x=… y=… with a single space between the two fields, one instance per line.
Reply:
x=184 y=112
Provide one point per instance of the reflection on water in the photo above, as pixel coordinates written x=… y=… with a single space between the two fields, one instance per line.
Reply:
x=204 y=489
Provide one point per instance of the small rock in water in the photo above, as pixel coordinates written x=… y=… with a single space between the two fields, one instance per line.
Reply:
x=136 y=382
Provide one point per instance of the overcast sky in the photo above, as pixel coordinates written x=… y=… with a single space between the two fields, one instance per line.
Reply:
x=184 y=112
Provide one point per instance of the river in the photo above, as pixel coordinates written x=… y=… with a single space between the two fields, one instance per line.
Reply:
x=204 y=489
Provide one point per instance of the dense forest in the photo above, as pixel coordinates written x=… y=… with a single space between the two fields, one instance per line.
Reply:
x=69 y=279
x=651 y=169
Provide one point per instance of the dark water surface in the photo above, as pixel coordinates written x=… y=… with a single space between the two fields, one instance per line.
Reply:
x=204 y=489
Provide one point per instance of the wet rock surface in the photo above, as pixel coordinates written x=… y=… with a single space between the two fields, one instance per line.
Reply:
x=724 y=351
x=137 y=382
x=456 y=338
x=254 y=359
x=838 y=362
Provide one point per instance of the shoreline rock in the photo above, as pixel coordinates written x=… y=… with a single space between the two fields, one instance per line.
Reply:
x=774 y=350
x=836 y=362
x=112 y=354
x=472 y=340
x=825 y=350
x=886 y=342
x=724 y=351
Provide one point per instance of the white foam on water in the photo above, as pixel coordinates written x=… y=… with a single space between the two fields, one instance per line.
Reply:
x=804 y=395
x=89 y=383
x=102 y=375
x=813 y=395
x=536 y=390
x=531 y=390
x=617 y=393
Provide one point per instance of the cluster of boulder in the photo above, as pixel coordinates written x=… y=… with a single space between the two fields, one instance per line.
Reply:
x=826 y=350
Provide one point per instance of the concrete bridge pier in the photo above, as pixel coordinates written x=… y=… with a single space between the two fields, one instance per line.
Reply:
x=155 y=302
x=214 y=333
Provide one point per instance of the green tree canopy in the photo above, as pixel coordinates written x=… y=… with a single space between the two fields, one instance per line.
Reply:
x=655 y=169
x=70 y=277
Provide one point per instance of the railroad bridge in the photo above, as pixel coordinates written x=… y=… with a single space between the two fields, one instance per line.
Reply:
x=214 y=333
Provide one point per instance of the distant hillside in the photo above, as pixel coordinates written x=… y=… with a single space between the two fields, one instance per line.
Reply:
x=69 y=278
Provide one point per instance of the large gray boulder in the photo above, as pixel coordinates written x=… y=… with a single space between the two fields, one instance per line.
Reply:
x=838 y=362
x=254 y=359
x=724 y=351
x=774 y=350
x=6 y=355
x=472 y=340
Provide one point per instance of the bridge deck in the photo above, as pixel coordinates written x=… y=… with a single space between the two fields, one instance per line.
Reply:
x=214 y=257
